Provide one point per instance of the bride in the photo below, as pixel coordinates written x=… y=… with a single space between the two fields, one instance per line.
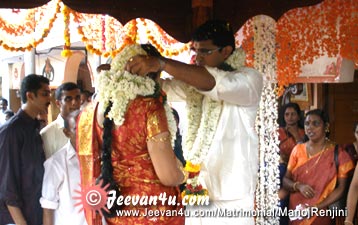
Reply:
x=125 y=139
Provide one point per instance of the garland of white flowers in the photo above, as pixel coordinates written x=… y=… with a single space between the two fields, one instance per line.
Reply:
x=203 y=116
x=266 y=121
x=202 y=125
x=120 y=87
x=207 y=126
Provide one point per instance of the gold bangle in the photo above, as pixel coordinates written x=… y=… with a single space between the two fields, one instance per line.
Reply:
x=161 y=139
x=184 y=172
x=294 y=186
x=348 y=222
x=186 y=176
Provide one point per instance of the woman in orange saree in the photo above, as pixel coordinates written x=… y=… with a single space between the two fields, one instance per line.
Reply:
x=311 y=175
x=289 y=134
x=142 y=162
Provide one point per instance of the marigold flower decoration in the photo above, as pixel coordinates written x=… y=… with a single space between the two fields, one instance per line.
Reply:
x=66 y=52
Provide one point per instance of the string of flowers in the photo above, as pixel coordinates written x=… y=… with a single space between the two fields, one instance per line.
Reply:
x=66 y=52
x=203 y=116
x=112 y=27
x=86 y=37
x=127 y=35
x=268 y=178
x=51 y=20
x=166 y=45
x=120 y=87
x=25 y=27
x=22 y=33
x=327 y=28
x=103 y=32
x=94 y=31
x=266 y=125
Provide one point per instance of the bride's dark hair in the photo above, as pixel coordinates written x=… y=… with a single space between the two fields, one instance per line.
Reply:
x=106 y=174
x=152 y=51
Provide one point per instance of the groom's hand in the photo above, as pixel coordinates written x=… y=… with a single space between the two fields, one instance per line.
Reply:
x=143 y=64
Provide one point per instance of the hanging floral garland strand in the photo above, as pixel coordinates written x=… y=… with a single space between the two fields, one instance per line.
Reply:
x=266 y=125
x=203 y=116
x=66 y=52
x=10 y=34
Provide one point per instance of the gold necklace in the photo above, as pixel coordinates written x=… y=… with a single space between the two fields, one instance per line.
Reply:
x=318 y=158
x=309 y=148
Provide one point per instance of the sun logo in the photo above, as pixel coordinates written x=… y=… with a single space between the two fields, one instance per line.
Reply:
x=92 y=198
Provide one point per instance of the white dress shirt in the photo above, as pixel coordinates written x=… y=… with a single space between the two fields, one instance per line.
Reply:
x=61 y=179
x=229 y=171
x=2 y=117
x=53 y=137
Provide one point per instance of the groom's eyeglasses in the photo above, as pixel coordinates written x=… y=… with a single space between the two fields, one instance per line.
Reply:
x=204 y=52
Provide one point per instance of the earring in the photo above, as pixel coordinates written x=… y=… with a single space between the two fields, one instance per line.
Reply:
x=327 y=129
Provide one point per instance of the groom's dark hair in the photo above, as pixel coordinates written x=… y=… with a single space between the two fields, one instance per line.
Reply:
x=220 y=32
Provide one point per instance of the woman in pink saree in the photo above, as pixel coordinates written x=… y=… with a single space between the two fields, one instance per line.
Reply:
x=311 y=175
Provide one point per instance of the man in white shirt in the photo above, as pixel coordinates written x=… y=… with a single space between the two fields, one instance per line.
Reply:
x=3 y=108
x=68 y=99
x=223 y=97
x=61 y=179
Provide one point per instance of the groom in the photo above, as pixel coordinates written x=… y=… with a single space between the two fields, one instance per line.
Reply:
x=227 y=156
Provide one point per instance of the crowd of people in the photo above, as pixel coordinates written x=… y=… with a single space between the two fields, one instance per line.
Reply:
x=315 y=172
x=126 y=139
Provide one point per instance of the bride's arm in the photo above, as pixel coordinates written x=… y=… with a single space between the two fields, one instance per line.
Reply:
x=164 y=160
x=100 y=115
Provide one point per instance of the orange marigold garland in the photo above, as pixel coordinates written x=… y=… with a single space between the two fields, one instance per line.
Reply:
x=26 y=27
x=94 y=34
x=166 y=45
x=66 y=52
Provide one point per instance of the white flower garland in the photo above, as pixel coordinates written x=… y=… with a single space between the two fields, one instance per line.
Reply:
x=120 y=87
x=203 y=116
x=202 y=124
x=266 y=123
x=237 y=58
x=199 y=140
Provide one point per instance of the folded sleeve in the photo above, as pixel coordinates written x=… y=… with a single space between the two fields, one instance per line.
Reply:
x=53 y=179
x=241 y=87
